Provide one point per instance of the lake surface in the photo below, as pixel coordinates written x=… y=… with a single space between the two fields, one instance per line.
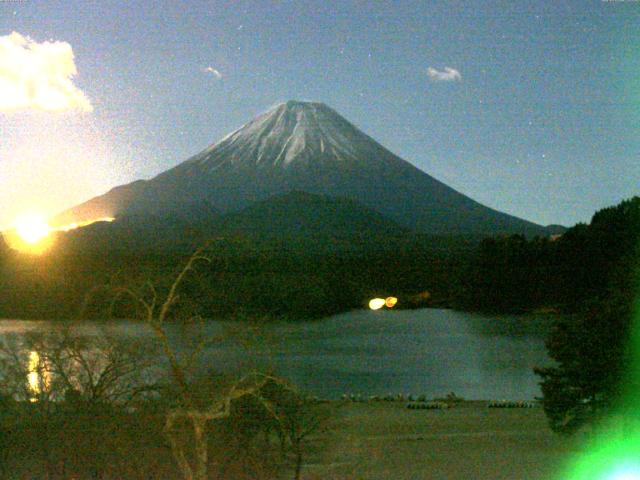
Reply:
x=429 y=351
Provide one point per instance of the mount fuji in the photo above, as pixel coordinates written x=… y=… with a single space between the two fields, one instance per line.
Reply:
x=303 y=147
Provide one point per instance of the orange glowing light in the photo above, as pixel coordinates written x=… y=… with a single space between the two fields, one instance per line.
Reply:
x=390 y=302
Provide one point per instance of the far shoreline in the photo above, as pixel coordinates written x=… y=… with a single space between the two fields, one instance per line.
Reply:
x=265 y=320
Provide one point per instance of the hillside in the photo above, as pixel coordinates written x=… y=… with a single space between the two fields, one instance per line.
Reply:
x=309 y=147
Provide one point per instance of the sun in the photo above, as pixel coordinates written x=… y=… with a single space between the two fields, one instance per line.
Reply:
x=32 y=228
x=30 y=234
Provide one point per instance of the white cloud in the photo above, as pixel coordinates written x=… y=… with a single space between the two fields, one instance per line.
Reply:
x=38 y=76
x=447 y=75
x=214 y=72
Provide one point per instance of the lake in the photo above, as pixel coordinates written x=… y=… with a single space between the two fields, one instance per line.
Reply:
x=428 y=351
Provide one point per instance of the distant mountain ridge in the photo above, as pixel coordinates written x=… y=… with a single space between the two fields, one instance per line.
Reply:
x=320 y=221
x=307 y=147
x=301 y=213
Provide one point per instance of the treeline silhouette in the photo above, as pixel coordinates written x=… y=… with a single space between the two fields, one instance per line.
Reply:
x=288 y=281
x=566 y=273
x=301 y=276
x=595 y=349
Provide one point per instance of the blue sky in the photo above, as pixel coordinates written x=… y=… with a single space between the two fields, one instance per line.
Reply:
x=542 y=122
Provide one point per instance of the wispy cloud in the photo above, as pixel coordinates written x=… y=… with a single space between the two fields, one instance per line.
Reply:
x=216 y=73
x=447 y=75
x=38 y=76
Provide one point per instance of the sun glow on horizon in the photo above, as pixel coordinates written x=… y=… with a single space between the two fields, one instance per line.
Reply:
x=32 y=228
x=32 y=233
x=74 y=225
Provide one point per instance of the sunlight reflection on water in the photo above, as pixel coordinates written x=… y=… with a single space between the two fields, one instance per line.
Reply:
x=38 y=377
x=425 y=351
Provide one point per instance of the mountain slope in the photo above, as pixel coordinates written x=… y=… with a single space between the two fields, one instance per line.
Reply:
x=305 y=147
x=305 y=215
x=299 y=218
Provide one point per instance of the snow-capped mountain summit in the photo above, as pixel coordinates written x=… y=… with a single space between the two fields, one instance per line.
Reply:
x=293 y=131
x=304 y=146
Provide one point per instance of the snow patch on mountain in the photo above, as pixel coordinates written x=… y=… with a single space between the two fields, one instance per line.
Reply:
x=289 y=132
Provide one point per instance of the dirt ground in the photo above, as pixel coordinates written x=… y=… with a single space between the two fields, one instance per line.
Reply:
x=470 y=441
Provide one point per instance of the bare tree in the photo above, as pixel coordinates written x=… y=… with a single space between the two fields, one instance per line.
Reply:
x=64 y=387
x=293 y=416
x=197 y=412
x=99 y=368
x=63 y=368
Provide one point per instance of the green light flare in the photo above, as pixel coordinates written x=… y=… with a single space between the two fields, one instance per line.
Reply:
x=614 y=452
x=613 y=456
x=630 y=401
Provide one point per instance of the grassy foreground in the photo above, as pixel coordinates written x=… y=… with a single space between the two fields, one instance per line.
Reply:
x=469 y=441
